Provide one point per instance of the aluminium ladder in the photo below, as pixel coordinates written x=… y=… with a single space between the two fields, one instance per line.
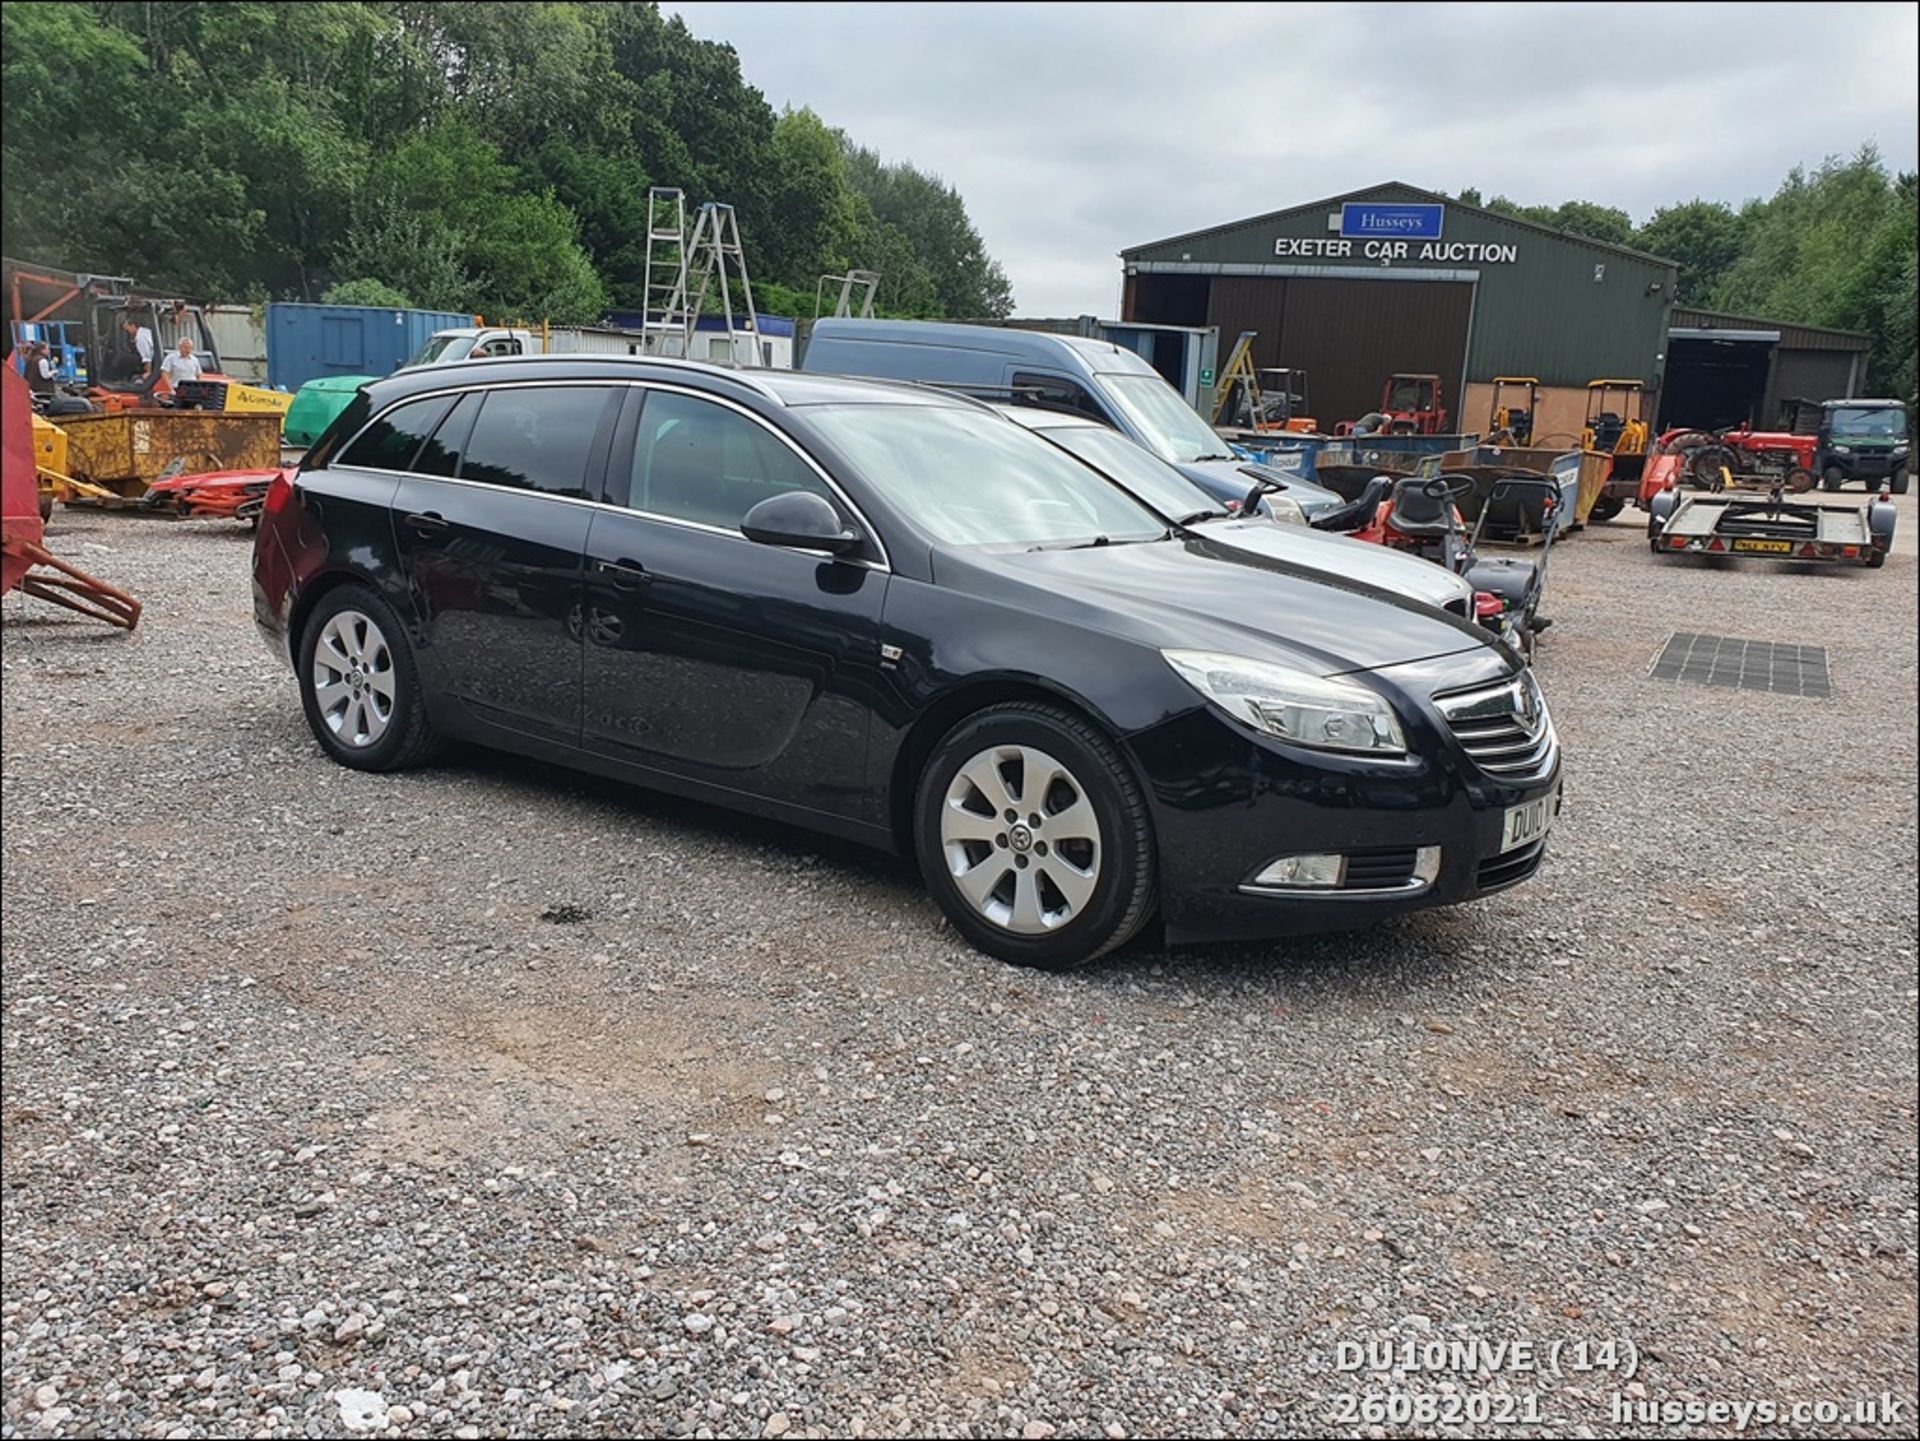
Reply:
x=715 y=253
x=665 y=328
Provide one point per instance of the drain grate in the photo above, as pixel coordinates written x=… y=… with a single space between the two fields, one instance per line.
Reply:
x=1736 y=664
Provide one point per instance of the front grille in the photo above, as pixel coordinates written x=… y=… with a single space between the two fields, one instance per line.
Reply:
x=1505 y=728
x=1513 y=866
x=1379 y=870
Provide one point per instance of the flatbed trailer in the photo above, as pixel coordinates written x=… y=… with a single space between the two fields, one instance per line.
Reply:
x=1769 y=526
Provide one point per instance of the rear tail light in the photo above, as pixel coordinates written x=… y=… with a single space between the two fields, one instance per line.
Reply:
x=279 y=492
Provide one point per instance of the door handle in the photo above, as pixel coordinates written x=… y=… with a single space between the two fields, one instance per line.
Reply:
x=426 y=522
x=624 y=574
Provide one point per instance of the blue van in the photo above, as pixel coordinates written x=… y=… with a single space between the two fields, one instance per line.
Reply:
x=1092 y=377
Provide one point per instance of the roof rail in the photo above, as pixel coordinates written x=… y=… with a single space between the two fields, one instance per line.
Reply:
x=671 y=362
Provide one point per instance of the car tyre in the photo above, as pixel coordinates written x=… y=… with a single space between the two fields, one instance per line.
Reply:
x=1051 y=899
x=359 y=685
x=1897 y=481
x=1833 y=477
x=1606 y=508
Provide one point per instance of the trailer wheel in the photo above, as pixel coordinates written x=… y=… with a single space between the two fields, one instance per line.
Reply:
x=1833 y=477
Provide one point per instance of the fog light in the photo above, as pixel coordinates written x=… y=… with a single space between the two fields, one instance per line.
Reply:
x=1304 y=872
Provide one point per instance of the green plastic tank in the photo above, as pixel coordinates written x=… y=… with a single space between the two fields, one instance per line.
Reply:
x=317 y=403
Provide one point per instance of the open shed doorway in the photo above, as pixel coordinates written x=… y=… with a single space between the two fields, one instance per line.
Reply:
x=1711 y=384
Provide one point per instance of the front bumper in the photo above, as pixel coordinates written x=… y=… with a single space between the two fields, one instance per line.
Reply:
x=1866 y=464
x=1226 y=804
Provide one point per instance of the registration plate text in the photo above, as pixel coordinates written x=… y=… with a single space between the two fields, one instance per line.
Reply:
x=1528 y=823
x=1768 y=547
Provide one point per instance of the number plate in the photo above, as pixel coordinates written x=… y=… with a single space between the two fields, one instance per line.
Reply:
x=1528 y=823
x=1769 y=547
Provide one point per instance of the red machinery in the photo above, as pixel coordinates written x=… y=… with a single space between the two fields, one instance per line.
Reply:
x=24 y=561
x=215 y=494
x=1741 y=457
x=1410 y=404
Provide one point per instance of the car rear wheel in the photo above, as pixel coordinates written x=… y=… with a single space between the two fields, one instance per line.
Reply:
x=359 y=685
x=1034 y=836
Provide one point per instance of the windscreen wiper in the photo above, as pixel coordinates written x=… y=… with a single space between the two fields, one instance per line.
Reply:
x=1200 y=515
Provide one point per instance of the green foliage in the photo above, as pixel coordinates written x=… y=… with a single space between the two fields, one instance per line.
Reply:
x=1705 y=236
x=475 y=155
x=1835 y=247
x=366 y=292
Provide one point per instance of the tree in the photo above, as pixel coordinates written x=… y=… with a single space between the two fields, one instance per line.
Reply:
x=366 y=292
x=1704 y=236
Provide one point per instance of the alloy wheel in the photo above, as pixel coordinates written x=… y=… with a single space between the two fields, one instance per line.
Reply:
x=353 y=679
x=1021 y=839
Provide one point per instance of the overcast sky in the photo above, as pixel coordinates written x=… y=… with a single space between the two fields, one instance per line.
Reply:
x=1073 y=130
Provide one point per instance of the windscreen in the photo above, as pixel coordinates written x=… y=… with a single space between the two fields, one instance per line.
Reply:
x=1166 y=423
x=441 y=348
x=1870 y=423
x=1142 y=474
x=969 y=477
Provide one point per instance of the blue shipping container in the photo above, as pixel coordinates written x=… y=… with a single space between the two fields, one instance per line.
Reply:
x=305 y=342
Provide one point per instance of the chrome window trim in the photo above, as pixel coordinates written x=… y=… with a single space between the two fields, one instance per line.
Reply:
x=884 y=565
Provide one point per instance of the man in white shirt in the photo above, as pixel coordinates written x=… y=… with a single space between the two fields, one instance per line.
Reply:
x=141 y=339
x=181 y=364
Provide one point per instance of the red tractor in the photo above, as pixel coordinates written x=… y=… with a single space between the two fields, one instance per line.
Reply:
x=1758 y=459
x=1409 y=405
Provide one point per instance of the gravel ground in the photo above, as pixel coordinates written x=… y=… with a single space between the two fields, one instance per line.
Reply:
x=489 y=1099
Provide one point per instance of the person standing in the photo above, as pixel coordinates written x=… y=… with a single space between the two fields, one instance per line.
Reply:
x=140 y=341
x=180 y=364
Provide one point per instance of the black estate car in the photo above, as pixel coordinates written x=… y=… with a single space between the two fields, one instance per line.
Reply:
x=893 y=614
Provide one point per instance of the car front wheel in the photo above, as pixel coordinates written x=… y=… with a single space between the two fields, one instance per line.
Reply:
x=1034 y=836
x=359 y=685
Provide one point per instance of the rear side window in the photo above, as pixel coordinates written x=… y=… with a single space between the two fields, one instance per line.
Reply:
x=393 y=440
x=1057 y=393
x=441 y=454
x=535 y=439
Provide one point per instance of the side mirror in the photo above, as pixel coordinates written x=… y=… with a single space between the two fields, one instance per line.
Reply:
x=800 y=520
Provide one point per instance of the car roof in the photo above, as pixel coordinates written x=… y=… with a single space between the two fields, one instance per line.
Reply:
x=1033 y=345
x=781 y=387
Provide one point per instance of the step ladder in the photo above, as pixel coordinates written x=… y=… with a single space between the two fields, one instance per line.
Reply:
x=664 y=325
x=1238 y=375
x=857 y=289
x=714 y=256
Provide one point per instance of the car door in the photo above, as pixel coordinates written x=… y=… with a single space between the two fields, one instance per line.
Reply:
x=491 y=521
x=735 y=664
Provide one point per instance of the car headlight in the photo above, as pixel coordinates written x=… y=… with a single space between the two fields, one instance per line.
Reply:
x=1898 y=451
x=1309 y=710
x=1843 y=450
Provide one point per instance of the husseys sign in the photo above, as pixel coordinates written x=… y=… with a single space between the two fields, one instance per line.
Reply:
x=1387 y=233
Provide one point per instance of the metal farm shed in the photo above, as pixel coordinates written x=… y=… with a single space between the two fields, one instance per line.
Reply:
x=1394 y=278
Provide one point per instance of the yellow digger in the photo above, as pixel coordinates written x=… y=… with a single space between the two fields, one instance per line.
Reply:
x=1510 y=423
x=1614 y=448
